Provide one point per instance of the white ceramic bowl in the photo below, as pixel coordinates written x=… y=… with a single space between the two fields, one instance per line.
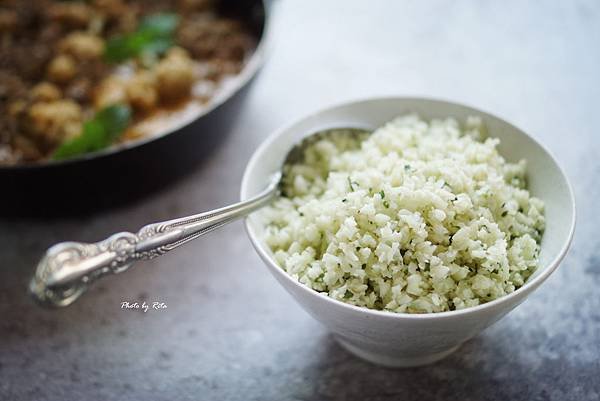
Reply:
x=400 y=340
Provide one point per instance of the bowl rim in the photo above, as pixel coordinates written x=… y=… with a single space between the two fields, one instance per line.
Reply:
x=526 y=288
x=252 y=65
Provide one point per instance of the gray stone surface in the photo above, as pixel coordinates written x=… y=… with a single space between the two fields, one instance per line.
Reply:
x=230 y=332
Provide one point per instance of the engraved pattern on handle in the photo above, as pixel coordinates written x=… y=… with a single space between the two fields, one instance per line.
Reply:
x=68 y=268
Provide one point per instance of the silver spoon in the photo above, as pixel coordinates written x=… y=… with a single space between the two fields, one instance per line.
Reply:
x=68 y=268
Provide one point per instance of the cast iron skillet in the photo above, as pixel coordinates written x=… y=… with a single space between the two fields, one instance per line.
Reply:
x=117 y=175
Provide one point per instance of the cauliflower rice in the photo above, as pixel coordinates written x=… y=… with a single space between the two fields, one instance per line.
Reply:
x=417 y=217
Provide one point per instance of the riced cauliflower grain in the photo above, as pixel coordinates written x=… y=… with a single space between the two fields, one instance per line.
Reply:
x=418 y=217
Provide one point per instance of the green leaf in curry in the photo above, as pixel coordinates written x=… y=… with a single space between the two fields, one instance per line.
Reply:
x=160 y=24
x=154 y=35
x=98 y=133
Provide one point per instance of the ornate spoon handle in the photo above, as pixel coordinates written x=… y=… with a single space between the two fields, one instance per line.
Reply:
x=69 y=268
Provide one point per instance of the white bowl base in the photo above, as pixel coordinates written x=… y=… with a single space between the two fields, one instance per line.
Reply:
x=392 y=361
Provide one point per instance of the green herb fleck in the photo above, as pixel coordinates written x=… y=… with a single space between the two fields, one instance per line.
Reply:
x=386 y=204
x=407 y=167
x=153 y=36
x=344 y=200
x=350 y=184
x=98 y=133
x=504 y=213
x=382 y=194
x=347 y=294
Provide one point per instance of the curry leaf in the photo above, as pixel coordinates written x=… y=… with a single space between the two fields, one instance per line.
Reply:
x=160 y=24
x=153 y=35
x=98 y=133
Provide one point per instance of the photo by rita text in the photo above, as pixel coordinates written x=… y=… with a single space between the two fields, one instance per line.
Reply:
x=143 y=306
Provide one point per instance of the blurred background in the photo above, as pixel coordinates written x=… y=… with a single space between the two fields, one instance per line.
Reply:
x=230 y=332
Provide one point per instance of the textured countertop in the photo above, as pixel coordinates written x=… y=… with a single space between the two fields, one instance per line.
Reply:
x=229 y=331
